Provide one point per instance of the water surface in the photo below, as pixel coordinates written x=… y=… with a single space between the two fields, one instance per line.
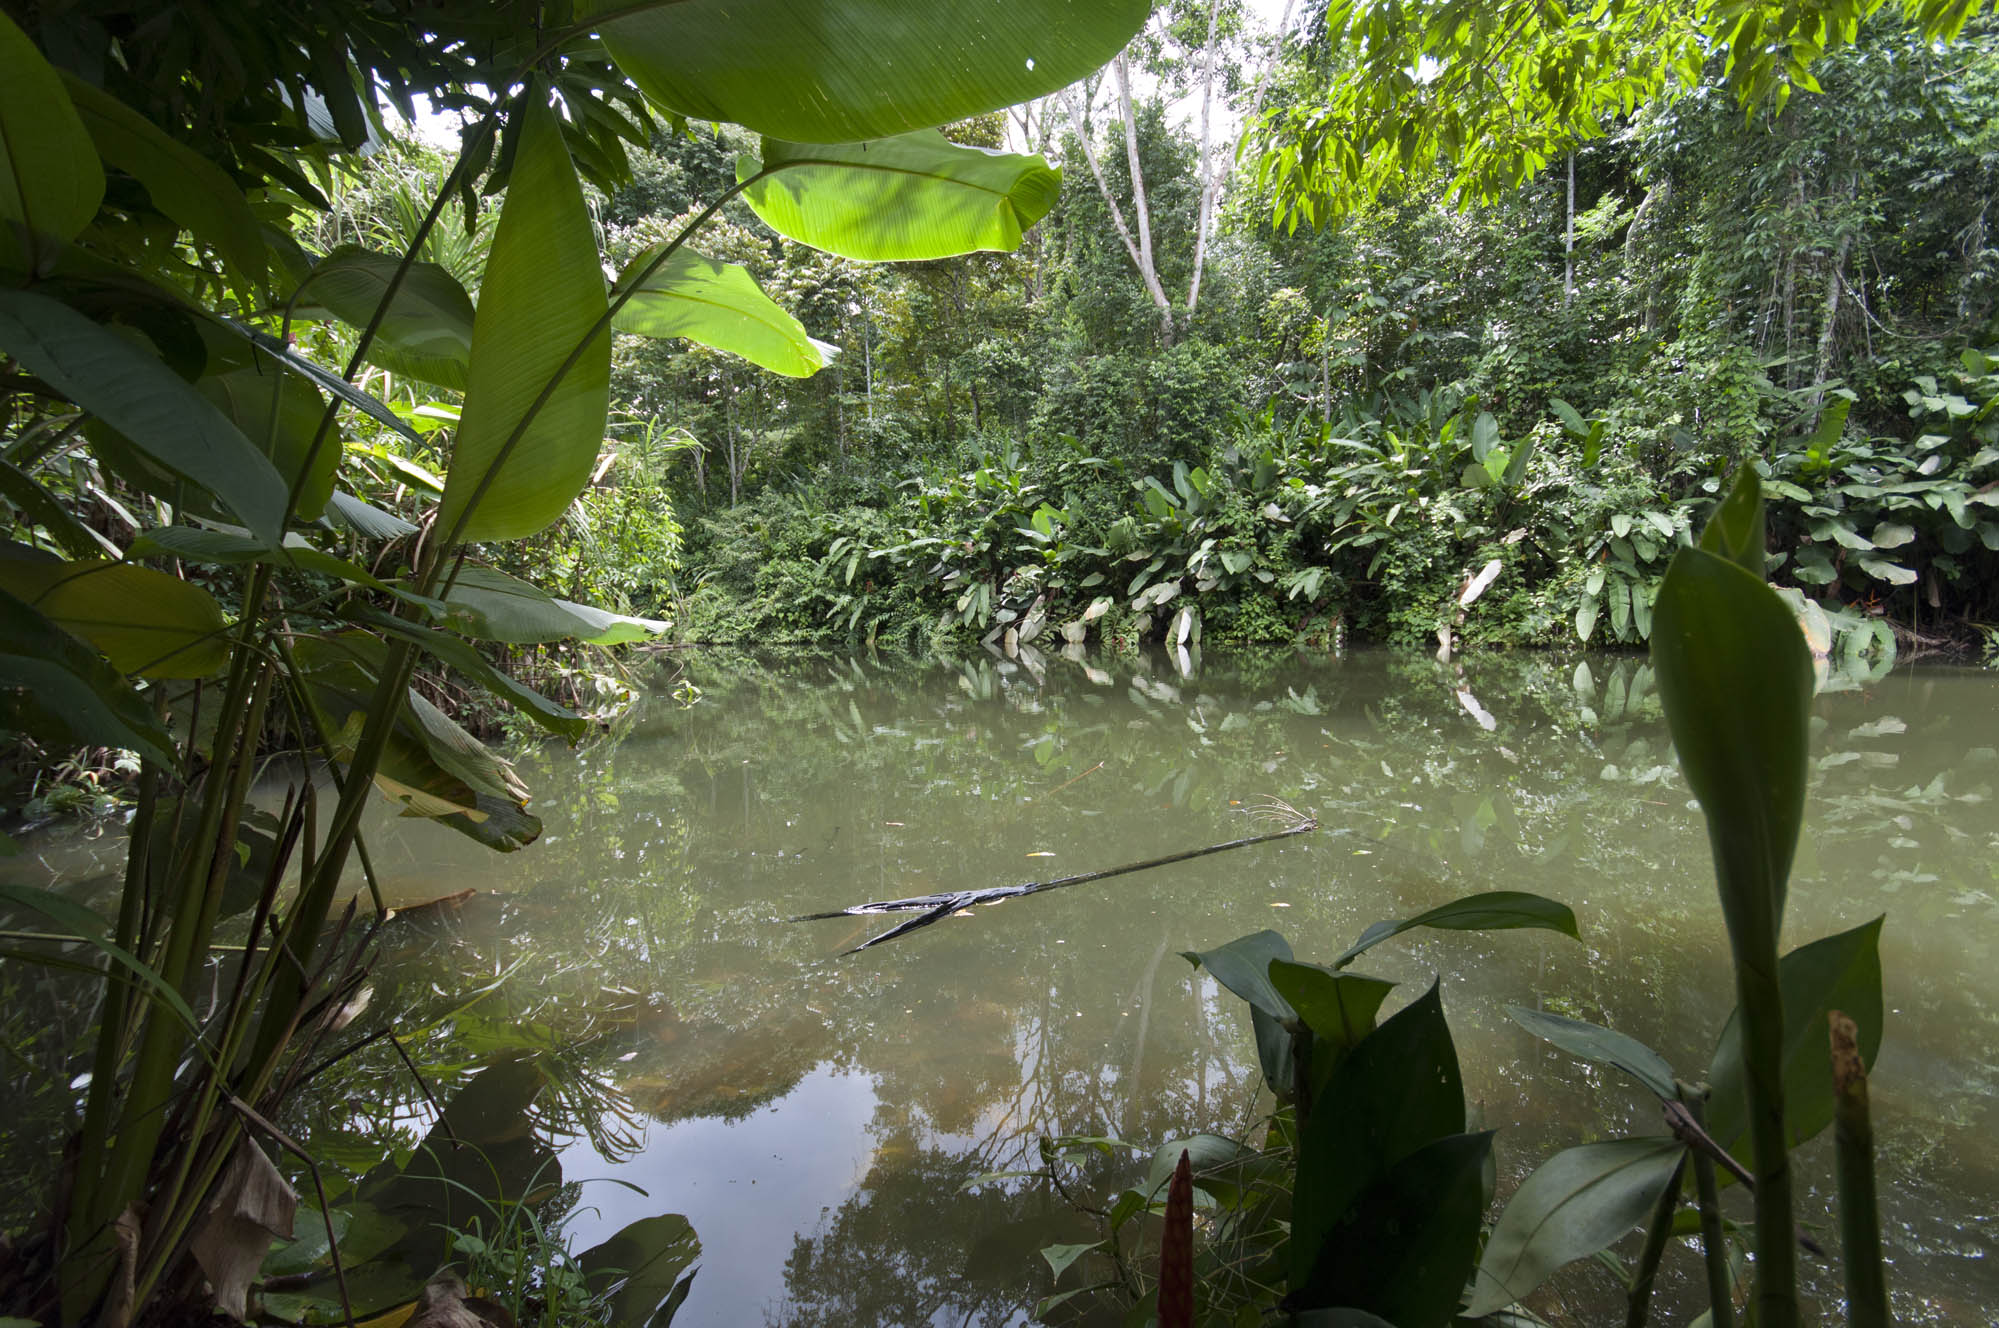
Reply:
x=815 y=1115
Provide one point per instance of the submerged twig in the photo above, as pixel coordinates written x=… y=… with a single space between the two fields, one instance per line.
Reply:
x=934 y=907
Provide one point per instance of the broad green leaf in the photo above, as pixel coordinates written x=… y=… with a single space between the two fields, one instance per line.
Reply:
x=1578 y=1202
x=519 y=461
x=50 y=180
x=1059 y=1257
x=280 y=413
x=835 y=71
x=366 y=402
x=643 y=1261
x=461 y=655
x=1220 y=1166
x=145 y=622
x=1832 y=423
x=1498 y=910
x=1339 y=1008
x=426 y=332
x=1484 y=436
x=1603 y=1045
x=718 y=305
x=1404 y=1249
x=136 y=394
x=915 y=196
x=365 y=519
x=1395 y=1092
x=488 y=605
x=190 y=189
x=1571 y=418
x=1734 y=529
x=53 y=686
x=1243 y=966
x=1841 y=972
x=1736 y=680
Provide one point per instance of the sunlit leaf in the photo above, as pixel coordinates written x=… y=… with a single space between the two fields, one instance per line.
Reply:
x=426 y=331
x=145 y=622
x=718 y=305
x=914 y=196
x=835 y=71
x=538 y=389
x=489 y=605
x=1498 y=910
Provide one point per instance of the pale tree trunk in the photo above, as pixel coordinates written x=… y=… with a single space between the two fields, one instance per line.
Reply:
x=1569 y=240
x=1141 y=256
x=1210 y=185
x=1147 y=268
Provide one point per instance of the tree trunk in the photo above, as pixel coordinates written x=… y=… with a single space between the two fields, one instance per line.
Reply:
x=1141 y=255
x=1210 y=184
x=1569 y=240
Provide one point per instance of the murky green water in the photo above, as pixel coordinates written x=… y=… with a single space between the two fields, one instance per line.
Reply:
x=815 y=1116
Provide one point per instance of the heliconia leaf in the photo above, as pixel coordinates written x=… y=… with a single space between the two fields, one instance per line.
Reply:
x=139 y=396
x=189 y=188
x=489 y=605
x=1578 y=1202
x=1736 y=678
x=1603 y=1045
x=640 y=1265
x=461 y=655
x=50 y=179
x=1735 y=529
x=366 y=402
x=914 y=196
x=426 y=333
x=53 y=686
x=518 y=460
x=719 y=305
x=1840 y=972
x=42 y=508
x=1498 y=910
x=145 y=622
x=1339 y=1008
x=1243 y=966
x=280 y=413
x=1395 y=1092
x=836 y=71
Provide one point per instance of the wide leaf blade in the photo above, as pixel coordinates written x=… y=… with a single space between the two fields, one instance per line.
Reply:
x=53 y=686
x=489 y=605
x=719 y=305
x=836 y=71
x=50 y=179
x=141 y=398
x=426 y=331
x=1578 y=1202
x=1606 y=1046
x=915 y=196
x=1841 y=972
x=1497 y=910
x=1243 y=966
x=145 y=622
x=535 y=404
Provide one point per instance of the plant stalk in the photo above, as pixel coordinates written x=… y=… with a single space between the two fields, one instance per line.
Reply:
x=1714 y=1246
x=1853 y=1167
x=1638 y=1304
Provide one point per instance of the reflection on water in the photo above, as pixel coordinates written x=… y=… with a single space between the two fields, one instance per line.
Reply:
x=815 y=1116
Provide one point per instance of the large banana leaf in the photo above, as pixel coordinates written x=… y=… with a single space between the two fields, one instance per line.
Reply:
x=282 y=410
x=139 y=396
x=50 y=182
x=913 y=196
x=53 y=686
x=836 y=71
x=425 y=333
x=144 y=621
x=719 y=305
x=543 y=294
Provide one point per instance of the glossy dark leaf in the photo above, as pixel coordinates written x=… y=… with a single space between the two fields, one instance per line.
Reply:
x=640 y=1265
x=1395 y=1092
x=1498 y=910
x=1603 y=1045
x=1243 y=966
x=1405 y=1248
x=1578 y=1202
x=140 y=397
x=1339 y=1008
x=1841 y=972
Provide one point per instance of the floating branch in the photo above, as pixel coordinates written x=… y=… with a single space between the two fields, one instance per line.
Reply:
x=934 y=907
